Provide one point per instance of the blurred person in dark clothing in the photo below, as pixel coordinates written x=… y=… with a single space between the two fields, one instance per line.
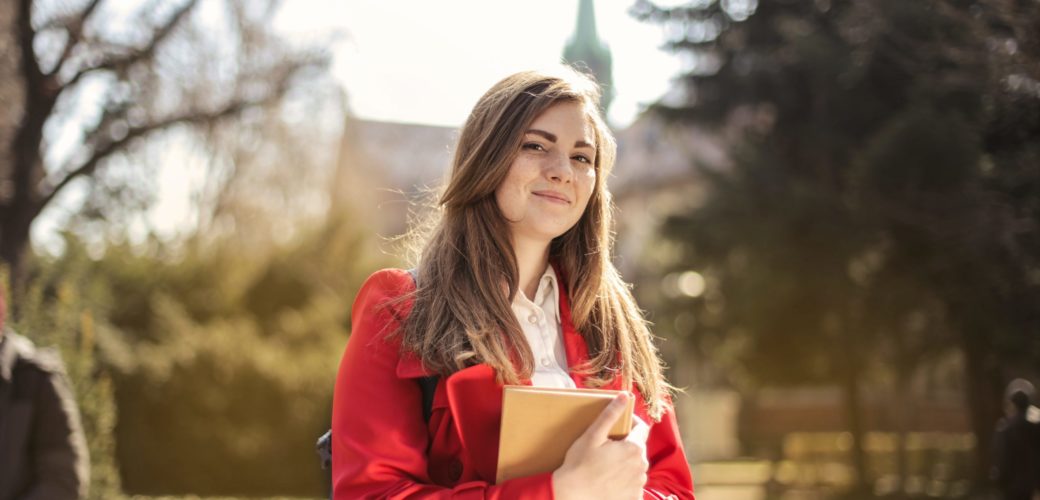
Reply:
x=1017 y=444
x=43 y=454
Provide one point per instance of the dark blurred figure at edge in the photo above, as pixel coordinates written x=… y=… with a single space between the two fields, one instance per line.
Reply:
x=43 y=454
x=1017 y=444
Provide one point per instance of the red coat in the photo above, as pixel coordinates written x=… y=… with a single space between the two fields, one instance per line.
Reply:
x=379 y=447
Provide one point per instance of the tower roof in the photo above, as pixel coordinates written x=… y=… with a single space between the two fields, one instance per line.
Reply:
x=586 y=50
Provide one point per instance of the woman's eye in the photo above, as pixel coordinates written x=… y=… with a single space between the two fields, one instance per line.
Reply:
x=583 y=159
x=534 y=146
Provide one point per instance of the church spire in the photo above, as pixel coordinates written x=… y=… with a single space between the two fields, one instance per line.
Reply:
x=586 y=50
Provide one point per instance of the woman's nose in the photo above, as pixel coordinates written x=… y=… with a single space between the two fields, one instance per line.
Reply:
x=558 y=168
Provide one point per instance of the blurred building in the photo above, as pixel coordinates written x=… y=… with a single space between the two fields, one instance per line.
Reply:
x=384 y=168
x=658 y=171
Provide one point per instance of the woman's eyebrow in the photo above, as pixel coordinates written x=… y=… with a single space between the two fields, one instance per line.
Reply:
x=551 y=137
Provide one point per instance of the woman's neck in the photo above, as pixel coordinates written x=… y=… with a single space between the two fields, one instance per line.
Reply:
x=531 y=259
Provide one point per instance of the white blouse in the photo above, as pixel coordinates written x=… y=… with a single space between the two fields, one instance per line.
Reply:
x=540 y=321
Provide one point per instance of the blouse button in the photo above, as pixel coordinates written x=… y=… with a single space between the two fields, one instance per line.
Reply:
x=532 y=318
x=545 y=362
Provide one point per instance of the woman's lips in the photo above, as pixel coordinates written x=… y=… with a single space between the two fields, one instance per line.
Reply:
x=552 y=197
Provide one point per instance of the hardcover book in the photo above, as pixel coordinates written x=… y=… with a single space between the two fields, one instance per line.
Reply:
x=539 y=425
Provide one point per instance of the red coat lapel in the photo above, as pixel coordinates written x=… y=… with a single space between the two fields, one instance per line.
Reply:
x=475 y=400
x=474 y=396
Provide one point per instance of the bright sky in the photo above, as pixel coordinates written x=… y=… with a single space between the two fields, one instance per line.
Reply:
x=428 y=62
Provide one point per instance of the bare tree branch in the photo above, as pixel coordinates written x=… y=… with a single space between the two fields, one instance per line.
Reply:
x=104 y=152
x=129 y=110
x=116 y=62
x=279 y=89
x=74 y=28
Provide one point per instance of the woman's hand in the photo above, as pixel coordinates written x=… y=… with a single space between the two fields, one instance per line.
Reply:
x=598 y=467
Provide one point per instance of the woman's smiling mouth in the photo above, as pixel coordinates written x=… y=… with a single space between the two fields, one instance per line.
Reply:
x=552 y=196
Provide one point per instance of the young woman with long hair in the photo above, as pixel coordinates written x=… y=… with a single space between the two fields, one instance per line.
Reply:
x=515 y=286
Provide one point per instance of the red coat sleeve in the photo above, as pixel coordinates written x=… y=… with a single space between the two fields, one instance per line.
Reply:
x=669 y=474
x=379 y=438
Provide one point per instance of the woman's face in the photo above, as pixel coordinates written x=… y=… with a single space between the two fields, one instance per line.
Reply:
x=550 y=181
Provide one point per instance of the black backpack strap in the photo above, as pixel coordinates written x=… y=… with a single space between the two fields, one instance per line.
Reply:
x=428 y=386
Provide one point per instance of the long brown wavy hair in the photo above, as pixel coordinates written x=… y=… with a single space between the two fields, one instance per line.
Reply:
x=460 y=315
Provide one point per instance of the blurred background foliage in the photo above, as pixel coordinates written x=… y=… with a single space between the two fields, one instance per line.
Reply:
x=219 y=363
x=204 y=362
x=879 y=212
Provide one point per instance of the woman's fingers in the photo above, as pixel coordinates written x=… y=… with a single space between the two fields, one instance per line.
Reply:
x=599 y=431
x=640 y=431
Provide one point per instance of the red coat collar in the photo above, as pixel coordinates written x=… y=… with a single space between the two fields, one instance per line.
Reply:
x=474 y=396
x=410 y=366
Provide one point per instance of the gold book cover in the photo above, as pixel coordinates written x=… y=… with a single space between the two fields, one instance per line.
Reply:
x=539 y=424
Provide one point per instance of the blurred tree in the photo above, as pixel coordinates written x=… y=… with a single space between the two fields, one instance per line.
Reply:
x=234 y=358
x=216 y=347
x=883 y=193
x=94 y=77
x=220 y=362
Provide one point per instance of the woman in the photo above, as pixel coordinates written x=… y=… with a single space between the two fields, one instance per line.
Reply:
x=515 y=286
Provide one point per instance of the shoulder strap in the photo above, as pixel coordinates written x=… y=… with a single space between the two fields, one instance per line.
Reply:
x=429 y=388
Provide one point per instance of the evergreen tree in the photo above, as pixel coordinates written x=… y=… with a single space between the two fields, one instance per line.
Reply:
x=884 y=167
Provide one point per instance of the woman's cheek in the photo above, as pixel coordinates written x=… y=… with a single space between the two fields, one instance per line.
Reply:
x=587 y=192
x=516 y=205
